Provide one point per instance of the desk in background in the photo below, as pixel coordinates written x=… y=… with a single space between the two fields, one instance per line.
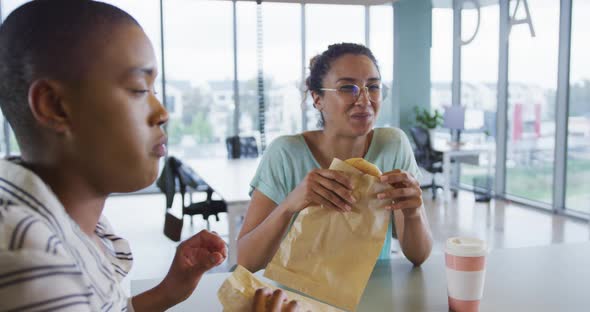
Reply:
x=468 y=152
x=230 y=179
x=549 y=278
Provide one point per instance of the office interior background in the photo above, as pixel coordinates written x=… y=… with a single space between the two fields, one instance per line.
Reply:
x=520 y=69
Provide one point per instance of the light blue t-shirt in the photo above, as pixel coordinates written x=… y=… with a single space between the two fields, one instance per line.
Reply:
x=288 y=159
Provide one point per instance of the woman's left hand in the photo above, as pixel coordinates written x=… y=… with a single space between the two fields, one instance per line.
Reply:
x=406 y=194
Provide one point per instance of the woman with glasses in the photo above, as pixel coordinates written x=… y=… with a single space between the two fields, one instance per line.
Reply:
x=346 y=88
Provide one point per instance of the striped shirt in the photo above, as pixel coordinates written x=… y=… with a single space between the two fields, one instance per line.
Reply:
x=46 y=262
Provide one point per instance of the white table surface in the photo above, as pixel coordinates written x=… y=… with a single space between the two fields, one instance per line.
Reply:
x=230 y=178
x=541 y=279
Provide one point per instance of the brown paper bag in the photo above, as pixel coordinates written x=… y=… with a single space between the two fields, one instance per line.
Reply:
x=329 y=255
x=237 y=292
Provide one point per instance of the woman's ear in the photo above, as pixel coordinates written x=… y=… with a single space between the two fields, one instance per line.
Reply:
x=317 y=103
x=46 y=102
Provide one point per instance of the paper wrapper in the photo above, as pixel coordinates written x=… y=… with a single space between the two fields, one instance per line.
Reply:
x=329 y=255
x=237 y=293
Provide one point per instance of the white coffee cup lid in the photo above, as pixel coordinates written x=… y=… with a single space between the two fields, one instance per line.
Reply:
x=466 y=247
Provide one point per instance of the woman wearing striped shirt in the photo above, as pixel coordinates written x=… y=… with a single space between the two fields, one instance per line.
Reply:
x=77 y=86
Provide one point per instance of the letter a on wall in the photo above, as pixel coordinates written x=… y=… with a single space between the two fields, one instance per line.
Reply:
x=526 y=20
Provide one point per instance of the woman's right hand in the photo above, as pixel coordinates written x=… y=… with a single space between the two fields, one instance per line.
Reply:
x=266 y=300
x=323 y=187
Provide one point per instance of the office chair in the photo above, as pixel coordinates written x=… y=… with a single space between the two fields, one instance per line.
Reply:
x=241 y=147
x=426 y=157
x=188 y=182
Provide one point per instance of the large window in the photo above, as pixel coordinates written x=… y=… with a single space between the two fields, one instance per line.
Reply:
x=282 y=37
x=532 y=86
x=328 y=24
x=381 y=44
x=8 y=6
x=9 y=146
x=279 y=44
x=578 y=153
x=532 y=66
x=441 y=59
x=147 y=13
x=247 y=68
x=479 y=75
x=199 y=77
x=199 y=64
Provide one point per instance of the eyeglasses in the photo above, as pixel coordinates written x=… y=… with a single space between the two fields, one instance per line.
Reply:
x=352 y=92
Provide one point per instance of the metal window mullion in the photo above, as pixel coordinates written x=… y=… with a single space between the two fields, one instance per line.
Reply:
x=260 y=75
x=562 y=109
x=368 y=26
x=303 y=64
x=162 y=61
x=395 y=121
x=456 y=84
x=502 y=105
x=395 y=85
x=236 y=81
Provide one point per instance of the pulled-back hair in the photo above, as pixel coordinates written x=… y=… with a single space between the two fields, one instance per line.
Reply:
x=51 y=39
x=320 y=64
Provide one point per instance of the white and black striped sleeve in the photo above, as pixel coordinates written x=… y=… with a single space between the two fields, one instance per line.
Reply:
x=33 y=280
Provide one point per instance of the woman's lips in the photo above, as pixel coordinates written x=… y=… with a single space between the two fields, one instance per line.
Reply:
x=159 y=150
x=361 y=116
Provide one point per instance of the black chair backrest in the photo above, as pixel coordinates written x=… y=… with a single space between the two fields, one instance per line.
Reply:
x=421 y=138
x=186 y=175
x=423 y=150
x=241 y=147
x=167 y=181
x=176 y=172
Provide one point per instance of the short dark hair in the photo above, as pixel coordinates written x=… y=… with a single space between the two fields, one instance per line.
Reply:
x=51 y=39
x=319 y=65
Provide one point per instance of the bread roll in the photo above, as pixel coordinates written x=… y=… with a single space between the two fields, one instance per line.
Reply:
x=364 y=166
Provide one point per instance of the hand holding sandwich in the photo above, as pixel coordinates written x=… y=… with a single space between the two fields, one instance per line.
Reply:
x=406 y=194
x=413 y=231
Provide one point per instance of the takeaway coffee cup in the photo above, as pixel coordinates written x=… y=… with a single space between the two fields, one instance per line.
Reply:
x=466 y=268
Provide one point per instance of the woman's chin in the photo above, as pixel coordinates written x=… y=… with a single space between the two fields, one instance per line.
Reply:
x=360 y=130
x=137 y=182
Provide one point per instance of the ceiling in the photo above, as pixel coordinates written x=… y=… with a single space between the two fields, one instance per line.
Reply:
x=449 y=3
x=435 y=3
x=356 y=2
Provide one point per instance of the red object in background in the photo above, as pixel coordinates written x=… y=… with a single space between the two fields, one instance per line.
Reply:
x=538 y=120
x=517 y=123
